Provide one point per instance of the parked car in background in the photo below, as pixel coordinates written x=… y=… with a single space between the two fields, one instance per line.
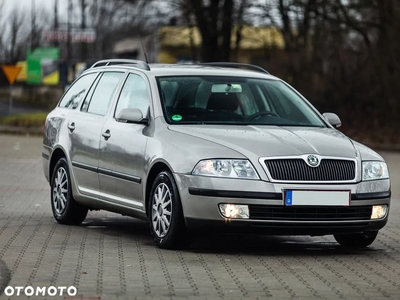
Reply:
x=209 y=146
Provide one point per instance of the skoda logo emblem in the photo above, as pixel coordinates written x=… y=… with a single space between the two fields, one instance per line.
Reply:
x=312 y=160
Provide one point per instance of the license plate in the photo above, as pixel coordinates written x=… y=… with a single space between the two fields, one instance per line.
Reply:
x=317 y=198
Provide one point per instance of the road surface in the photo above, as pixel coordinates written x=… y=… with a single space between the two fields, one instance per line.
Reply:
x=113 y=257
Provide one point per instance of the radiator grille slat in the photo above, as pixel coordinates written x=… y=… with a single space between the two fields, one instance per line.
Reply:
x=297 y=169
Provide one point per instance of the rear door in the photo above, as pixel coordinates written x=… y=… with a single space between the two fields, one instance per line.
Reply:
x=70 y=104
x=122 y=148
x=85 y=132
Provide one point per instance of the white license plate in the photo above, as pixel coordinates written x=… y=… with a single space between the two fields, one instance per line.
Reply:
x=317 y=198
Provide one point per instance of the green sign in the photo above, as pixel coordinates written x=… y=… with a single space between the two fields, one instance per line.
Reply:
x=34 y=71
x=41 y=64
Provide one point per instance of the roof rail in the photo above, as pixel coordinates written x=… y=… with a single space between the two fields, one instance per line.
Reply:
x=108 y=62
x=236 y=65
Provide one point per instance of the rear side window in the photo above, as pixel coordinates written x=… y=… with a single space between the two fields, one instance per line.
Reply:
x=104 y=93
x=134 y=95
x=77 y=91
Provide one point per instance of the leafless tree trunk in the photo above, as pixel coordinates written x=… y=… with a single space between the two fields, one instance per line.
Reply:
x=16 y=23
x=215 y=20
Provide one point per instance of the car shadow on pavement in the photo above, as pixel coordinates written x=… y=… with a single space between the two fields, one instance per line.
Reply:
x=273 y=245
x=230 y=244
x=116 y=226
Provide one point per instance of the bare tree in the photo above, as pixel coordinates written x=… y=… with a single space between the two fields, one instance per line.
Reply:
x=342 y=54
x=14 y=36
x=215 y=20
x=2 y=29
x=17 y=35
x=113 y=20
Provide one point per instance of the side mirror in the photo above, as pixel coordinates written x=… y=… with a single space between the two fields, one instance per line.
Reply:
x=333 y=119
x=131 y=115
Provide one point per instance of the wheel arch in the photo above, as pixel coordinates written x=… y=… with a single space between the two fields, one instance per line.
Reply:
x=155 y=169
x=57 y=154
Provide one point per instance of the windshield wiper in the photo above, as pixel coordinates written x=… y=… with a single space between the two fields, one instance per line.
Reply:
x=300 y=125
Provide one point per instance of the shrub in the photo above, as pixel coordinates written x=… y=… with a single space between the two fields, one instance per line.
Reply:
x=33 y=120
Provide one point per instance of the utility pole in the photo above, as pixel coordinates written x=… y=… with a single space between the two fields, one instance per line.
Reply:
x=83 y=26
x=69 y=50
x=56 y=19
x=55 y=14
x=33 y=24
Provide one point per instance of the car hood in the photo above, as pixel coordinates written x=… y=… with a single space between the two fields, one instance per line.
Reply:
x=260 y=141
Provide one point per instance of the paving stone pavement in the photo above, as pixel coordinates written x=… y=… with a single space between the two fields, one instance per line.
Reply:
x=113 y=257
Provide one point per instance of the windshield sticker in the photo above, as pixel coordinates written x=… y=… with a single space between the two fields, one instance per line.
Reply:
x=177 y=118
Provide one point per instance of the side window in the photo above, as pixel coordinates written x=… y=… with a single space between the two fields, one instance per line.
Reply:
x=134 y=95
x=104 y=93
x=89 y=95
x=77 y=91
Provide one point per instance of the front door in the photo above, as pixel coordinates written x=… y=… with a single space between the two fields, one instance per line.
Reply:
x=122 y=148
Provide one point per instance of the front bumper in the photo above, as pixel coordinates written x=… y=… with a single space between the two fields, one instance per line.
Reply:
x=201 y=196
x=282 y=227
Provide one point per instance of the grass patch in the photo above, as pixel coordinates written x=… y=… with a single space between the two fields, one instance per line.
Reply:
x=32 y=120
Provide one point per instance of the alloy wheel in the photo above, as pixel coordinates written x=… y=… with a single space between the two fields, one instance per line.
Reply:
x=161 y=210
x=60 y=191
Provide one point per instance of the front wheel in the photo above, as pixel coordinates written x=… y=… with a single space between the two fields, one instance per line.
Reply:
x=356 y=240
x=167 y=224
x=65 y=209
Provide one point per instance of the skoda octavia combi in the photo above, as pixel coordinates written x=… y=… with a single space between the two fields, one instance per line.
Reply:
x=209 y=147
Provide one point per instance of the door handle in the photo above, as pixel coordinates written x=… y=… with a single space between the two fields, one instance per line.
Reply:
x=106 y=134
x=71 y=127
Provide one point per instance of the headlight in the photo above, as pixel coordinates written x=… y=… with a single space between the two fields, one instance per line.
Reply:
x=373 y=170
x=228 y=168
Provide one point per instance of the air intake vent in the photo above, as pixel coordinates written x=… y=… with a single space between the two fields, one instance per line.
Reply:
x=284 y=213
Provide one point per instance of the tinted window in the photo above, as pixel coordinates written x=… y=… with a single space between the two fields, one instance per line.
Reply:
x=134 y=95
x=77 y=91
x=89 y=95
x=233 y=100
x=104 y=93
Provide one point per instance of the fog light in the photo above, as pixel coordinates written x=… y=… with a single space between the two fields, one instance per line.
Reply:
x=234 y=211
x=378 y=211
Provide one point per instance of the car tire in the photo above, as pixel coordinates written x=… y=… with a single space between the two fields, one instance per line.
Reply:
x=356 y=240
x=65 y=209
x=167 y=224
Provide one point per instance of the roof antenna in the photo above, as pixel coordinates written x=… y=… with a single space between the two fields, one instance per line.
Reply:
x=144 y=50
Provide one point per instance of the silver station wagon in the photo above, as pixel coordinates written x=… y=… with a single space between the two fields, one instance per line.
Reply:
x=206 y=148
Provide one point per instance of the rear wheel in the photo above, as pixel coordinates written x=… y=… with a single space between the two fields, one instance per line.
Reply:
x=356 y=240
x=167 y=224
x=65 y=209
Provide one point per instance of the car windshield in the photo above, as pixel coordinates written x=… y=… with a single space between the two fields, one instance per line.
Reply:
x=233 y=100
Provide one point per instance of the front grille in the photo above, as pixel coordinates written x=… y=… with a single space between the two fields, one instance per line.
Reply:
x=332 y=213
x=299 y=170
